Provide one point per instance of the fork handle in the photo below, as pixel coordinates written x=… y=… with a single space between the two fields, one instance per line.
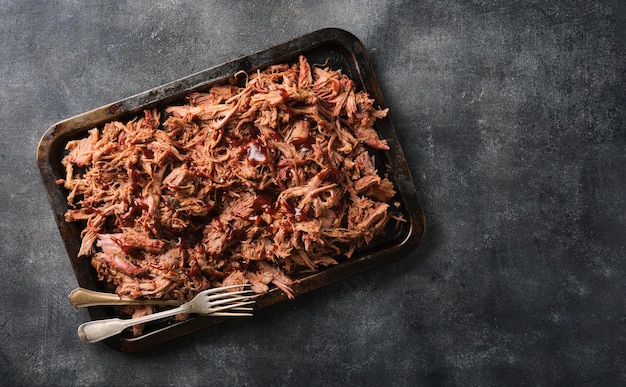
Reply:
x=94 y=331
x=81 y=298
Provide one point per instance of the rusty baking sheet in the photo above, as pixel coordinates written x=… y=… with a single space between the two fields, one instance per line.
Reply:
x=336 y=48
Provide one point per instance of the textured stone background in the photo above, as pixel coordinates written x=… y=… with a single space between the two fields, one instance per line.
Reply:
x=512 y=117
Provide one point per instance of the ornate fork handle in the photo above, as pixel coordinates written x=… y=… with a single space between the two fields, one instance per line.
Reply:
x=94 y=331
x=82 y=298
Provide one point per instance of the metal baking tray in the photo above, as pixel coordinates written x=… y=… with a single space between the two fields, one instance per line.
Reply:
x=336 y=48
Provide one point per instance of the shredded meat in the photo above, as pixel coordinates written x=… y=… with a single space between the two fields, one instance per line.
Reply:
x=258 y=183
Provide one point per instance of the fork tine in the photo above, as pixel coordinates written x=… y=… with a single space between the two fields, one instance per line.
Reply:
x=230 y=314
x=230 y=294
x=228 y=307
x=240 y=310
x=231 y=300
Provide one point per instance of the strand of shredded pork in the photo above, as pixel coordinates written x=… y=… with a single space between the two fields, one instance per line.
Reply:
x=255 y=184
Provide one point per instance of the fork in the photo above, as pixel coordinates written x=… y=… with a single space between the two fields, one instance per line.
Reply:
x=82 y=298
x=212 y=302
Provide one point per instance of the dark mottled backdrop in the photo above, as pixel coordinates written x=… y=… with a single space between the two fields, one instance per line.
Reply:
x=512 y=117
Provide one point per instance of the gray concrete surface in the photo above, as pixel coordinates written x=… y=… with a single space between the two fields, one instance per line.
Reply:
x=512 y=116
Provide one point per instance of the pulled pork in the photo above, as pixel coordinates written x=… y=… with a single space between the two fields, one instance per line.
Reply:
x=258 y=183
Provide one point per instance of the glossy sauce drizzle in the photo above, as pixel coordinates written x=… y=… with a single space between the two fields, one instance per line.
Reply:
x=263 y=203
x=256 y=152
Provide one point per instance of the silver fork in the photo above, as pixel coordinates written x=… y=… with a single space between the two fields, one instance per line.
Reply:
x=214 y=302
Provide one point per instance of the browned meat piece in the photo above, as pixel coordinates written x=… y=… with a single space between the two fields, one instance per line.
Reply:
x=82 y=151
x=277 y=277
x=235 y=278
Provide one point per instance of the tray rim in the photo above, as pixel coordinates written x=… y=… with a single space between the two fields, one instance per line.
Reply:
x=175 y=90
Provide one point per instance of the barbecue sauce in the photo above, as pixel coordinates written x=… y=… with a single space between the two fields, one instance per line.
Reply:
x=283 y=94
x=147 y=153
x=263 y=203
x=296 y=212
x=303 y=143
x=300 y=216
x=256 y=152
